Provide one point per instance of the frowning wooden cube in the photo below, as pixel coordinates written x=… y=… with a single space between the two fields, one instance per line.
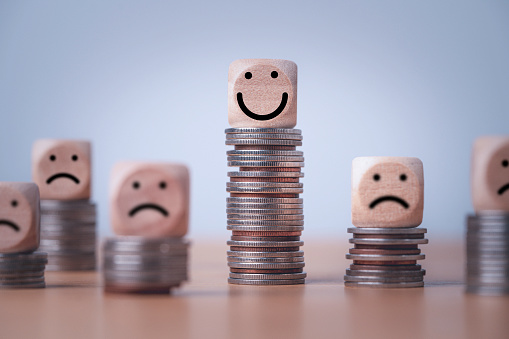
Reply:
x=149 y=199
x=61 y=168
x=387 y=192
x=19 y=217
x=262 y=93
x=490 y=174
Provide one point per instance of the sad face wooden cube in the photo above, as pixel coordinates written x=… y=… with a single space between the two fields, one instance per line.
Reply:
x=387 y=192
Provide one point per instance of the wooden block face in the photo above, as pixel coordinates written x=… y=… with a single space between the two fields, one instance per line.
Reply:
x=262 y=93
x=387 y=192
x=19 y=217
x=61 y=169
x=149 y=199
x=490 y=174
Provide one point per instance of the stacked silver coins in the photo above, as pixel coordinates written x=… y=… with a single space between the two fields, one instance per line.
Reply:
x=488 y=253
x=144 y=265
x=22 y=270
x=264 y=210
x=68 y=234
x=386 y=257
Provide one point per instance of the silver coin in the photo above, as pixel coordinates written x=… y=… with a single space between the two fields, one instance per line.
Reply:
x=265 y=190
x=371 y=241
x=265 y=282
x=280 y=153
x=265 y=260
x=146 y=276
x=370 y=257
x=263 y=211
x=21 y=268
x=265 y=228
x=264 y=164
x=364 y=230
x=144 y=261
x=266 y=184
x=266 y=266
x=265 y=243
x=271 y=158
x=487 y=290
x=37 y=255
x=21 y=280
x=384 y=285
x=385 y=274
x=87 y=233
x=245 y=254
x=61 y=228
x=24 y=285
x=382 y=279
x=266 y=206
x=265 y=216
x=483 y=280
x=257 y=174
x=271 y=223
x=263 y=130
x=265 y=200
x=141 y=244
x=274 y=142
x=259 y=136
x=255 y=276
x=21 y=274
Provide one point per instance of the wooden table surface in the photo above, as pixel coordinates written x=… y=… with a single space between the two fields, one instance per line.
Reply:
x=74 y=305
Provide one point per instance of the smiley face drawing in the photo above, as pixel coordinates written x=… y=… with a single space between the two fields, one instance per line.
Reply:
x=149 y=199
x=387 y=192
x=490 y=174
x=19 y=217
x=262 y=93
x=61 y=168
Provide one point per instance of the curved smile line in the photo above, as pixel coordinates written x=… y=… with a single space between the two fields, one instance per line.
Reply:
x=62 y=175
x=10 y=224
x=263 y=117
x=388 y=198
x=503 y=189
x=148 y=206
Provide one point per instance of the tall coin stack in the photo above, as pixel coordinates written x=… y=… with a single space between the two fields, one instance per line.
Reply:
x=387 y=207
x=488 y=253
x=264 y=210
x=138 y=264
x=68 y=234
x=488 y=230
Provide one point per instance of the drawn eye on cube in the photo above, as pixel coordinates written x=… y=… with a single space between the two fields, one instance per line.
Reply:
x=19 y=217
x=387 y=192
x=61 y=168
x=262 y=93
x=490 y=174
x=149 y=199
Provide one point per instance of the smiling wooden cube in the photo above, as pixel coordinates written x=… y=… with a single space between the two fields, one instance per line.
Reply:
x=61 y=169
x=490 y=174
x=19 y=217
x=387 y=192
x=149 y=199
x=262 y=93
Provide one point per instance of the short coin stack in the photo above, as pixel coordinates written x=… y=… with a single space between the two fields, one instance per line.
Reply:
x=144 y=265
x=68 y=234
x=264 y=209
x=386 y=257
x=22 y=270
x=488 y=253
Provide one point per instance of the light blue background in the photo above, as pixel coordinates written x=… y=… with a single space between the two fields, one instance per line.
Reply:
x=147 y=80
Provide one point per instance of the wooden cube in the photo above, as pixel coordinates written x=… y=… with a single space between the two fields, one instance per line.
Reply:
x=490 y=174
x=61 y=168
x=149 y=199
x=262 y=93
x=387 y=192
x=19 y=217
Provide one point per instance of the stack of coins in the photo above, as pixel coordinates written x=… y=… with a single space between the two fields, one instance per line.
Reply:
x=264 y=210
x=68 y=234
x=488 y=253
x=386 y=257
x=144 y=265
x=22 y=270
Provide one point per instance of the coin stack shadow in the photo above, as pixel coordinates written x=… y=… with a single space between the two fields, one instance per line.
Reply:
x=68 y=234
x=264 y=210
x=386 y=257
x=22 y=270
x=144 y=265
x=488 y=253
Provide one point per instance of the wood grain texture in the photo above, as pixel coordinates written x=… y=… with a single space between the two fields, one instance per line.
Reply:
x=264 y=85
x=149 y=199
x=61 y=168
x=19 y=217
x=490 y=174
x=387 y=192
